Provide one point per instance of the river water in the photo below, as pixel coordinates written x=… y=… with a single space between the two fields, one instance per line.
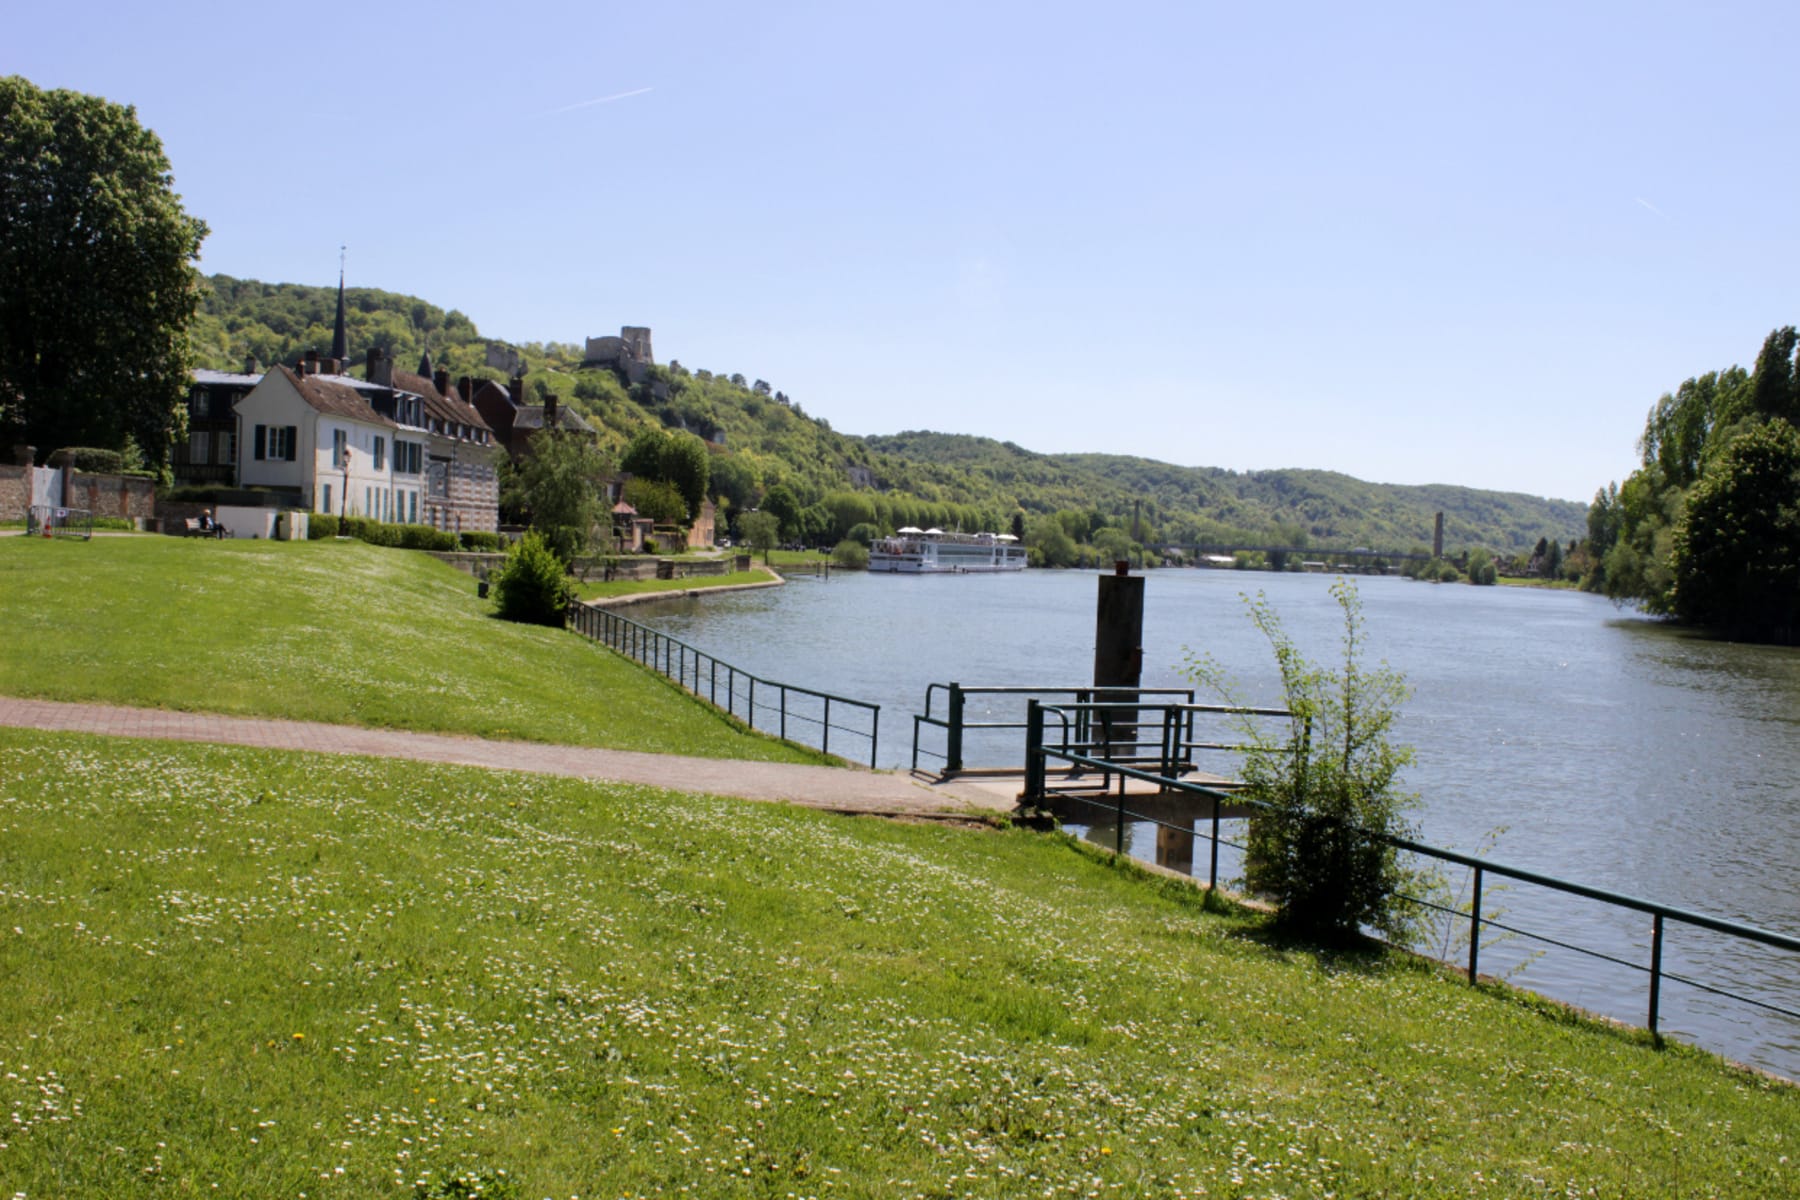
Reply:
x=1553 y=732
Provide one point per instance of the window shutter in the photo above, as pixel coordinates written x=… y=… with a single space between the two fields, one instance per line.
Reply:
x=262 y=432
x=293 y=441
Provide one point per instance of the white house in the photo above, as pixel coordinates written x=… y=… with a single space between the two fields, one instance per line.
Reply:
x=318 y=438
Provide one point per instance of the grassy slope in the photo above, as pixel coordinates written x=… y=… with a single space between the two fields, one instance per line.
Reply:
x=256 y=974
x=324 y=631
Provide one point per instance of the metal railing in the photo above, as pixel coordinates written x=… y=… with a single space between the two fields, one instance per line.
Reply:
x=792 y=713
x=953 y=720
x=1040 y=749
x=43 y=520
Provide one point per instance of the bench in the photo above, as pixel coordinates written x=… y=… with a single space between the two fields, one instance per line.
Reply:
x=191 y=528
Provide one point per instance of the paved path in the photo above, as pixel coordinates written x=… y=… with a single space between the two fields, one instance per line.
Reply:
x=850 y=790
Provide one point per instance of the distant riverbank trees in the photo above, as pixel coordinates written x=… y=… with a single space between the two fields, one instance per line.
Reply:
x=1707 y=530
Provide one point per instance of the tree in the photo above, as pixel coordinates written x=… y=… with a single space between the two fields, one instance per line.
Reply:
x=781 y=502
x=559 y=485
x=1326 y=794
x=761 y=530
x=533 y=587
x=674 y=457
x=1048 y=544
x=655 y=499
x=97 y=280
x=1736 y=557
x=733 y=480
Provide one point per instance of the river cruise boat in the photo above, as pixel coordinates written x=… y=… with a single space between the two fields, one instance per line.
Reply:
x=934 y=552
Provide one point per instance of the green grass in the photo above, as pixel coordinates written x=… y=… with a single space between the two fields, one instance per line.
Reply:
x=330 y=631
x=633 y=587
x=249 y=973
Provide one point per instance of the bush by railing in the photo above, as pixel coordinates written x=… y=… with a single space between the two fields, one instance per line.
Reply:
x=1043 y=746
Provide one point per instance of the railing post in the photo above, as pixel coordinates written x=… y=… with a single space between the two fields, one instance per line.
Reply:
x=1034 y=749
x=750 y=706
x=1475 y=930
x=953 y=747
x=875 y=735
x=1171 y=737
x=1656 y=943
x=783 y=688
x=1119 y=817
x=1212 y=878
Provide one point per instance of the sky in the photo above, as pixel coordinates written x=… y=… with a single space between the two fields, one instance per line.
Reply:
x=1414 y=243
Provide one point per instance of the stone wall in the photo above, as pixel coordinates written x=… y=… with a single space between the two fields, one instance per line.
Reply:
x=130 y=496
x=15 y=492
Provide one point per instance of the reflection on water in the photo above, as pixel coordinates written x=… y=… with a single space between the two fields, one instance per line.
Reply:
x=1581 y=741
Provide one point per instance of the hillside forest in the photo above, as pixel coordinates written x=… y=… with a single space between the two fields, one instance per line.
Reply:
x=767 y=452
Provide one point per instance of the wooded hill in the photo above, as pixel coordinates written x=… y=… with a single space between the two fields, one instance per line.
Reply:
x=763 y=439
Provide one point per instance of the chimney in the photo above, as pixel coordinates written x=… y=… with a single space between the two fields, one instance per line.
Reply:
x=381 y=368
x=516 y=389
x=440 y=379
x=549 y=411
x=310 y=364
x=465 y=388
x=251 y=366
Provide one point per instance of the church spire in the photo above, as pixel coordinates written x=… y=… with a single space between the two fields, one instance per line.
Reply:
x=340 y=339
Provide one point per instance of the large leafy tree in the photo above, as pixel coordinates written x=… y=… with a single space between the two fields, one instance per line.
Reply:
x=97 y=279
x=560 y=485
x=1737 y=549
x=675 y=457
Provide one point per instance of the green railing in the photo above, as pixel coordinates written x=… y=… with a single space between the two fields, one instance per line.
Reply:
x=1040 y=748
x=792 y=713
x=950 y=716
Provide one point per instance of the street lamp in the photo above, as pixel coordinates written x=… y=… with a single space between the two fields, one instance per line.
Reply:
x=344 y=500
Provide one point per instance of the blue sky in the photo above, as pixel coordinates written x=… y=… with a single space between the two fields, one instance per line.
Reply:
x=1411 y=242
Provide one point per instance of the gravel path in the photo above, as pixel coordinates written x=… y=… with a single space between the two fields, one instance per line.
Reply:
x=849 y=790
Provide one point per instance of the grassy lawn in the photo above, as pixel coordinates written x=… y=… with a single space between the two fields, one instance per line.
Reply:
x=633 y=587
x=325 y=631
x=246 y=973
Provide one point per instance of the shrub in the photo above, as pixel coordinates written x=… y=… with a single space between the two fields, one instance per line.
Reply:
x=649 y=545
x=532 y=587
x=364 y=529
x=90 y=459
x=851 y=554
x=481 y=541
x=863 y=532
x=424 y=537
x=1326 y=795
x=321 y=525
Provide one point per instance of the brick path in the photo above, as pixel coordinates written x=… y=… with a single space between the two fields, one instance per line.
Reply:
x=838 y=789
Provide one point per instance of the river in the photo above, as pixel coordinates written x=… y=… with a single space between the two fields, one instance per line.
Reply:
x=1553 y=732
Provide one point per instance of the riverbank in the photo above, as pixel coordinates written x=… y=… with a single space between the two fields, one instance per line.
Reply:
x=621 y=593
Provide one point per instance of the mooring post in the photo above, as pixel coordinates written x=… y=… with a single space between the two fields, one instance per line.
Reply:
x=1118 y=653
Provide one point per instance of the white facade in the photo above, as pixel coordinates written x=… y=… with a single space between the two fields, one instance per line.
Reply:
x=317 y=436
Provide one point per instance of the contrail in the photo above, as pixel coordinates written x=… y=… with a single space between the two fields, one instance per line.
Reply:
x=591 y=103
x=1659 y=212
